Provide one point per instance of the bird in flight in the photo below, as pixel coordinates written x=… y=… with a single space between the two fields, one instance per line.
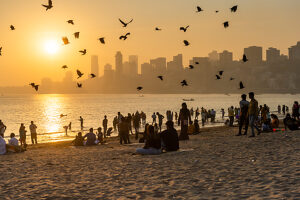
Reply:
x=191 y=66
x=217 y=11
x=83 y=52
x=125 y=24
x=234 y=8
x=65 y=40
x=102 y=40
x=76 y=35
x=70 y=22
x=158 y=29
x=241 y=85
x=139 y=88
x=79 y=73
x=245 y=59
x=49 y=6
x=62 y=115
x=161 y=78
x=79 y=85
x=184 y=29
x=184 y=83
x=12 y=28
x=218 y=77
x=186 y=43
x=199 y=9
x=64 y=67
x=197 y=63
x=226 y=24
x=33 y=85
x=92 y=75
x=231 y=79
x=0 y=51
x=124 y=37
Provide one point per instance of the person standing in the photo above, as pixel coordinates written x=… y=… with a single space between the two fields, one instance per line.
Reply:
x=160 y=120
x=33 y=133
x=295 y=112
x=81 y=122
x=244 y=106
x=136 y=124
x=22 y=133
x=104 y=123
x=223 y=113
x=279 y=109
x=183 y=120
x=153 y=118
x=70 y=126
x=231 y=115
x=283 y=109
x=253 y=114
x=2 y=128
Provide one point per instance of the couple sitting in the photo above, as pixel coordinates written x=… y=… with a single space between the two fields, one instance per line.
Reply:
x=12 y=146
x=91 y=138
x=155 y=143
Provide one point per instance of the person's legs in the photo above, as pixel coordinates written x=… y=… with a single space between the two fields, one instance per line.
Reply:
x=105 y=130
x=251 y=122
x=241 y=123
x=184 y=132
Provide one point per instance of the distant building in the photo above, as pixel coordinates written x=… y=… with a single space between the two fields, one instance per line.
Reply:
x=133 y=65
x=226 y=57
x=176 y=65
x=108 y=72
x=146 y=69
x=159 y=65
x=203 y=62
x=94 y=65
x=294 y=52
x=273 y=55
x=213 y=56
x=119 y=63
x=254 y=54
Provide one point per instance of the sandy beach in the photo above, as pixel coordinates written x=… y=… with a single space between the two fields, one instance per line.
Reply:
x=212 y=165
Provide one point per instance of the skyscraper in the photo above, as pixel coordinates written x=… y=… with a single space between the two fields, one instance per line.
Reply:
x=133 y=65
x=294 y=52
x=146 y=69
x=119 y=63
x=273 y=55
x=159 y=65
x=226 y=57
x=213 y=56
x=176 y=65
x=94 y=65
x=254 y=54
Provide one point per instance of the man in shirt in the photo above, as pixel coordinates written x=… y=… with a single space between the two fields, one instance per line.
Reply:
x=253 y=114
x=33 y=133
x=244 y=106
x=231 y=115
x=90 y=138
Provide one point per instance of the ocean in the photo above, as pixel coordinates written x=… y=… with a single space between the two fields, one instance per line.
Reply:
x=45 y=109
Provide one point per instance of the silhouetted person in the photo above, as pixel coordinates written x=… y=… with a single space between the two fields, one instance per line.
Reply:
x=160 y=120
x=22 y=133
x=2 y=128
x=243 y=119
x=33 y=132
x=183 y=120
x=100 y=135
x=136 y=124
x=296 y=110
x=90 y=138
x=279 y=109
x=123 y=131
x=115 y=123
x=78 y=140
x=70 y=126
x=290 y=123
x=104 y=123
x=283 y=109
x=197 y=127
x=152 y=143
x=153 y=118
x=253 y=114
x=81 y=122
x=231 y=115
x=169 y=138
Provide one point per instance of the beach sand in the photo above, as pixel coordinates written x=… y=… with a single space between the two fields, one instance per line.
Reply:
x=213 y=165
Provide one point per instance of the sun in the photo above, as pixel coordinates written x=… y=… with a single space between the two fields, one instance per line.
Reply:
x=51 y=46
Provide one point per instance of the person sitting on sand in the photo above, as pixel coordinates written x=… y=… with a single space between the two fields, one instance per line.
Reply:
x=169 y=138
x=78 y=140
x=90 y=138
x=109 y=131
x=152 y=143
x=100 y=135
x=291 y=123
x=145 y=133
x=266 y=126
x=275 y=121
x=13 y=145
x=13 y=141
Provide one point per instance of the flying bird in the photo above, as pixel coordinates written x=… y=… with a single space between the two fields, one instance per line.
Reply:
x=199 y=9
x=234 y=8
x=221 y=73
x=49 y=6
x=79 y=73
x=65 y=40
x=158 y=29
x=161 y=78
x=124 y=37
x=139 y=88
x=0 y=51
x=184 y=29
x=197 y=63
x=241 y=85
x=76 y=35
x=79 y=85
x=191 y=66
x=70 y=22
x=62 y=115
x=92 y=75
x=102 y=40
x=64 y=67
x=231 y=79
x=186 y=43
x=33 y=85
x=226 y=24
x=12 y=28
x=245 y=59
x=83 y=52
x=125 y=24
x=217 y=11
x=218 y=77
x=184 y=83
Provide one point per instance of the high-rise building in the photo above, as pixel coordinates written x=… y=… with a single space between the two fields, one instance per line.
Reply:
x=119 y=63
x=146 y=69
x=294 y=52
x=273 y=55
x=126 y=68
x=203 y=62
x=176 y=65
x=254 y=54
x=213 y=56
x=94 y=65
x=226 y=57
x=108 y=72
x=159 y=65
x=133 y=65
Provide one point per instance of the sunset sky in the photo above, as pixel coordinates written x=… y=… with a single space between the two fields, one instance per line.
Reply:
x=24 y=56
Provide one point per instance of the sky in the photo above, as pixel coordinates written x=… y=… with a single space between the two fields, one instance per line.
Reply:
x=266 y=23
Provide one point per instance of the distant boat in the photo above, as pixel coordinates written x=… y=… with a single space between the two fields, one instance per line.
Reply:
x=188 y=99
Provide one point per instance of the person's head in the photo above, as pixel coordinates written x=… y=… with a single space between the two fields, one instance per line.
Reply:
x=274 y=116
x=157 y=113
x=244 y=97
x=91 y=130
x=170 y=125
x=80 y=117
x=119 y=113
x=251 y=95
x=288 y=115
x=22 y=124
x=79 y=134
x=231 y=107
x=184 y=106
x=31 y=122
x=12 y=135
x=296 y=102
x=191 y=122
x=99 y=129
x=105 y=116
x=195 y=121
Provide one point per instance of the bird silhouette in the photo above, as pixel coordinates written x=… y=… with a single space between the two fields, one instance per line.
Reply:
x=218 y=77
x=217 y=11
x=139 y=88
x=92 y=75
x=0 y=51
x=197 y=63
x=199 y=9
x=124 y=37
x=158 y=29
x=70 y=22
x=186 y=43
x=226 y=24
x=79 y=73
x=62 y=115
x=231 y=79
x=191 y=66
x=184 y=29
x=184 y=83
x=221 y=73
x=65 y=40
x=33 y=85
x=49 y=6
x=79 y=85
x=241 y=85
x=161 y=78
x=245 y=59
x=76 y=35
x=83 y=52
x=102 y=40
x=234 y=8
x=124 y=23
x=12 y=28
x=64 y=67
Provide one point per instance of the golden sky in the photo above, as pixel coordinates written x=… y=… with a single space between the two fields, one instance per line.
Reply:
x=24 y=57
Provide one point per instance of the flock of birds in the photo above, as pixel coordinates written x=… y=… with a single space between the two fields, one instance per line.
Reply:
x=124 y=37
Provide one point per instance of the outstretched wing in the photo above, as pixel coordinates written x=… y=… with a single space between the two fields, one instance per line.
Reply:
x=122 y=22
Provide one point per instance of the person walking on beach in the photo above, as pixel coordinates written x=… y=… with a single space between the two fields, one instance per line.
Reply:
x=2 y=128
x=81 y=122
x=203 y=116
x=160 y=120
x=33 y=133
x=183 y=120
x=231 y=115
x=104 y=123
x=253 y=114
x=244 y=106
x=22 y=133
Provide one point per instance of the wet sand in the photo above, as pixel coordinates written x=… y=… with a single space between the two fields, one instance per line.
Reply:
x=212 y=165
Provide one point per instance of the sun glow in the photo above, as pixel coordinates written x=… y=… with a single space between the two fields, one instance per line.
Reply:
x=51 y=46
